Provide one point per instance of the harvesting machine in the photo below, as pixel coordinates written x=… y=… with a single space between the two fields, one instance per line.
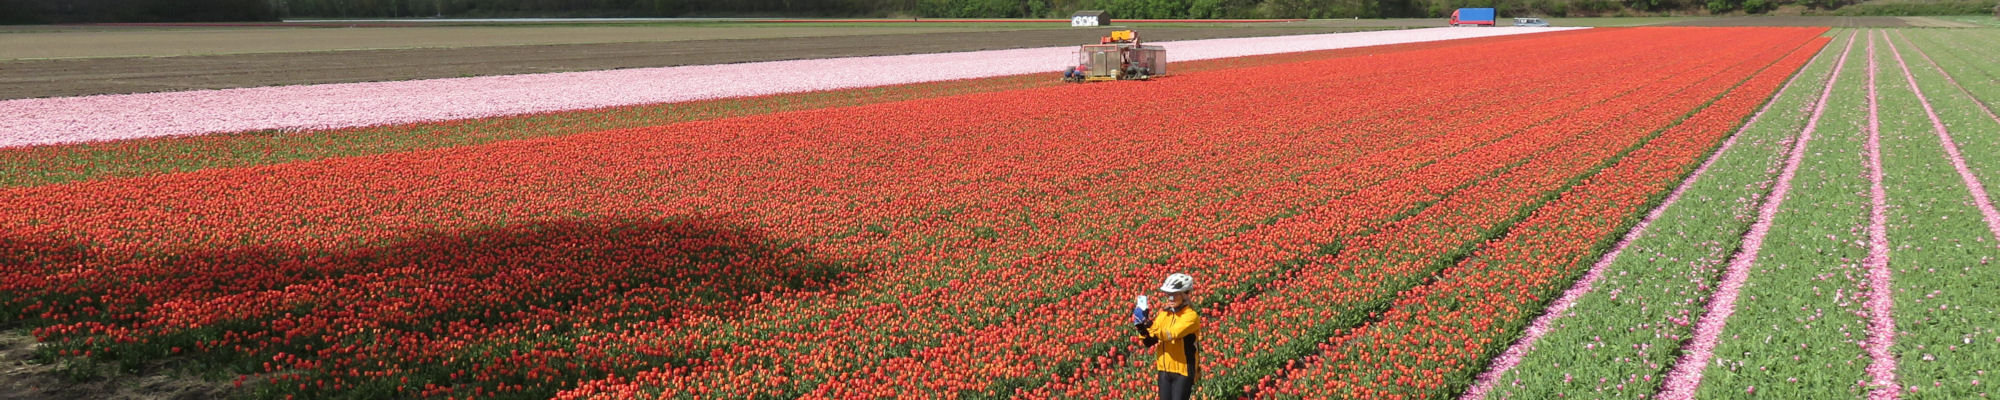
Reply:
x=1119 y=56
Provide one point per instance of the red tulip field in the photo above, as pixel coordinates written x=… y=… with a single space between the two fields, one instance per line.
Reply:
x=1425 y=220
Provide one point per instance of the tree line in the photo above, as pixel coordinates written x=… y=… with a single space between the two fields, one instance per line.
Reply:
x=68 y=11
x=59 y=11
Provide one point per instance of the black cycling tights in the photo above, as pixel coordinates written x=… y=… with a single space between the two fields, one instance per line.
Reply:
x=1175 y=386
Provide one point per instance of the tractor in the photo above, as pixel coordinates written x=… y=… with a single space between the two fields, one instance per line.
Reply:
x=1119 y=56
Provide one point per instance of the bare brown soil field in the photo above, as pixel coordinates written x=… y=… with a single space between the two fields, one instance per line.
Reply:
x=86 y=76
x=226 y=40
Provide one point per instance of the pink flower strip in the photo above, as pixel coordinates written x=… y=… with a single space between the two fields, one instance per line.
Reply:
x=30 y=122
x=1546 y=322
x=1687 y=372
x=1881 y=325
x=1979 y=196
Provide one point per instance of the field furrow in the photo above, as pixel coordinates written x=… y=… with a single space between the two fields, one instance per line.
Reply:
x=1944 y=233
x=1447 y=327
x=1799 y=325
x=1599 y=348
x=1432 y=339
x=1543 y=325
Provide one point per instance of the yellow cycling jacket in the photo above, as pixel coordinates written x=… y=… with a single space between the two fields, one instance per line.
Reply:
x=1177 y=351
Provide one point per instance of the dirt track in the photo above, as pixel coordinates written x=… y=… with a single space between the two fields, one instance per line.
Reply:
x=73 y=77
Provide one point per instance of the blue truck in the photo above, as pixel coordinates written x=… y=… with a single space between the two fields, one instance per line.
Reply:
x=1472 y=17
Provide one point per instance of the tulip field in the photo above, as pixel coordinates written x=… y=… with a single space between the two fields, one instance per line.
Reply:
x=1619 y=212
x=1842 y=245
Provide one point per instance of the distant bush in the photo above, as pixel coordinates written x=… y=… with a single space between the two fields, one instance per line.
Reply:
x=968 y=8
x=16 y=12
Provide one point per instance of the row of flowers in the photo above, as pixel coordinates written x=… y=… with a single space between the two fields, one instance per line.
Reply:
x=1868 y=296
x=1642 y=297
x=1434 y=338
x=1944 y=339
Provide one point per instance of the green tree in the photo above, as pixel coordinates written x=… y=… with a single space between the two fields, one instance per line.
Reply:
x=1721 y=6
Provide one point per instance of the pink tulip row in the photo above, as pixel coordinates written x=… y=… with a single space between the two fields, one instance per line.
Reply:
x=1542 y=324
x=1883 y=362
x=1687 y=373
x=1979 y=195
x=1935 y=351
x=1893 y=321
x=1881 y=325
x=308 y=107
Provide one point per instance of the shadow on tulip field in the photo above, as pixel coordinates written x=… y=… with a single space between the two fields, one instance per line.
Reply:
x=549 y=280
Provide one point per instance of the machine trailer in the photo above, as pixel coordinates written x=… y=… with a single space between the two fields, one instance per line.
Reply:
x=1120 y=56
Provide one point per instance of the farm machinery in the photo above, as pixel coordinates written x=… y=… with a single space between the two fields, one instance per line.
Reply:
x=1119 y=56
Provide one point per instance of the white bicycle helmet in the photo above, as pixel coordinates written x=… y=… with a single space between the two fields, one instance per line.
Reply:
x=1177 y=283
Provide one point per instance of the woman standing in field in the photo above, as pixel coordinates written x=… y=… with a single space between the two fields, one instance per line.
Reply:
x=1170 y=330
